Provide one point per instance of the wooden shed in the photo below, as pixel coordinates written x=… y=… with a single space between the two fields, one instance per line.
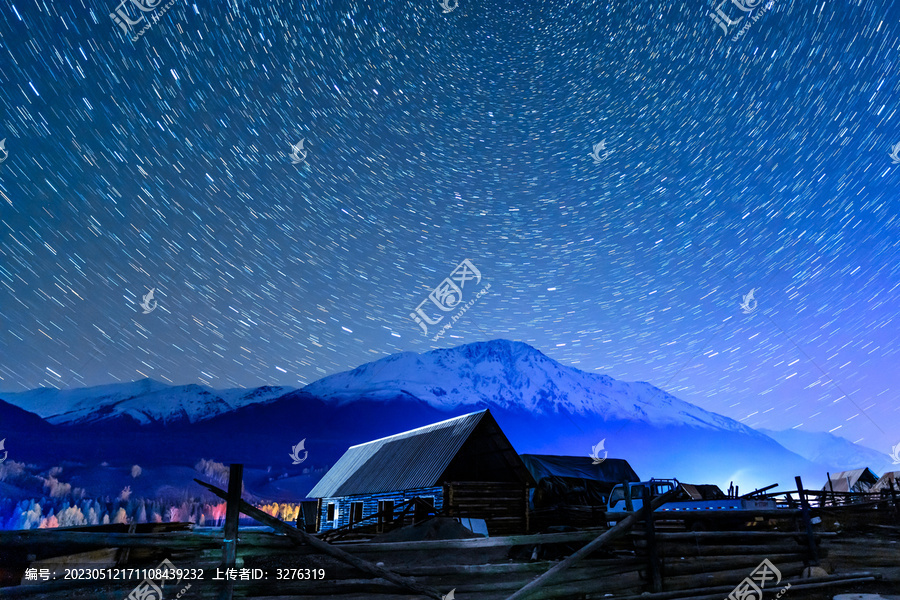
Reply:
x=572 y=490
x=463 y=467
x=856 y=480
x=889 y=480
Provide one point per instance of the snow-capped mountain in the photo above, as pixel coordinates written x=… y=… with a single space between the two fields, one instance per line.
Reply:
x=145 y=401
x=548 y=408
x=505 y=374
x=542 y=406
x=826 y=448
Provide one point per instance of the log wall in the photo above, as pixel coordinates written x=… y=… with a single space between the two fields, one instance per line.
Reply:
x=503 y=506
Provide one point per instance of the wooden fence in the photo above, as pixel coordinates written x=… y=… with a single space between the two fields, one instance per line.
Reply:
x=631 y=559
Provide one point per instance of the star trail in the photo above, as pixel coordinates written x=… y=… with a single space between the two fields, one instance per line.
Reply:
x=431 y=136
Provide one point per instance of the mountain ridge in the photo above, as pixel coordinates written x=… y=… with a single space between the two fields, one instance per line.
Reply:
x=435 y=370
x=543 y=407
x=827 y=448
x=144 y=401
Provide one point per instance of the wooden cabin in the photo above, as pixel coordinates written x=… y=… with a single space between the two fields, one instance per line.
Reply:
x=889 y=480
x=575 y=479
x=463 y=467
x=857 y=480
x=572 y=490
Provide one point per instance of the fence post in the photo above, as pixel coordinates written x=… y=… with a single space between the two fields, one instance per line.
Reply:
x=894 y=498
x=629 y=506
x=652 y=554
x=232 y=514
x=804 y=513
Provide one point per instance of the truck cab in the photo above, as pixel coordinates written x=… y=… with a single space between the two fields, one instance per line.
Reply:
x=629 y=497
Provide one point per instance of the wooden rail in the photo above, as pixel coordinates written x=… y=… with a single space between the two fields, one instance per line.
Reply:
x=619 y=530
x=301 y=536
x=698 y=565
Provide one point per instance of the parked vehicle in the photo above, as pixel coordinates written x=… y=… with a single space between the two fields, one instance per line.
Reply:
x=692 y=501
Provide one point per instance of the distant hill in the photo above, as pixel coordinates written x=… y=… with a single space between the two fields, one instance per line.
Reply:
x=829 y=449
x=144 y=401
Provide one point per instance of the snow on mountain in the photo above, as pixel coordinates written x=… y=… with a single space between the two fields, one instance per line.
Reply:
x=828 y=449
x=513 y=375
x=498 y=373
x=542 y=406
x=146 y=401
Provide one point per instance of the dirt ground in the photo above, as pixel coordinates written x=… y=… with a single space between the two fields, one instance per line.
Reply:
x=888 y=589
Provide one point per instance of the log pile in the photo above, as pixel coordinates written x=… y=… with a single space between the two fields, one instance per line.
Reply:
x=707 y=559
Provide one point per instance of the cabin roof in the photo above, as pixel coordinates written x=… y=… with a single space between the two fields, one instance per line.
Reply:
x=611 y=470
x=460 y=448
x=858 y=479
x=891 y=478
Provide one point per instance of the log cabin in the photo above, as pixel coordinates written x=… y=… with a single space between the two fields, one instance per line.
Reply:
x=464 y=467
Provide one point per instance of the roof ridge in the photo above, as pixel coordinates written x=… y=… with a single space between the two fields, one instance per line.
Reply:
x=419 y=429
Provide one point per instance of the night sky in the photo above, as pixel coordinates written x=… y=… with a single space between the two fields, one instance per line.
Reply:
x=432 y=137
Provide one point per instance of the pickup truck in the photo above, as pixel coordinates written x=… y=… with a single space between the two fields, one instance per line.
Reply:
x=628 y=497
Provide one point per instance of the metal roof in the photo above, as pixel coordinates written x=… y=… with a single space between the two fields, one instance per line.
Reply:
x=853 y=480
x=614 y=470
x=408 y=460
x=888 y=480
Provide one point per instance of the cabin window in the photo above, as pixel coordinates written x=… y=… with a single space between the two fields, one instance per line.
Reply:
x=331 y=512
x=356 y=512
x=385 y=512
x=637 y=492
x=617 y=496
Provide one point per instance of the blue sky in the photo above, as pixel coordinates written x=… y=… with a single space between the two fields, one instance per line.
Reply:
x=759 y=164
